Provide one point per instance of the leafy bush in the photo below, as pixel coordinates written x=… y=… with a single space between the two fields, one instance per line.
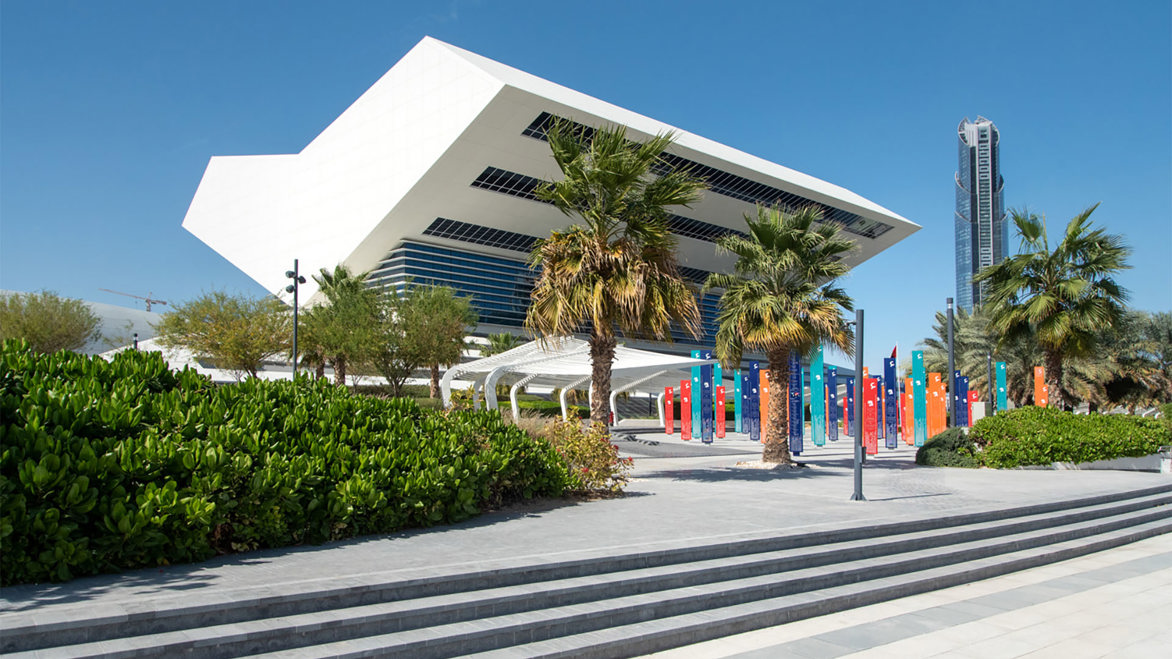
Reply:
x=593 y=461
x=951 y=448
x=1041 y=436
x=122 y=464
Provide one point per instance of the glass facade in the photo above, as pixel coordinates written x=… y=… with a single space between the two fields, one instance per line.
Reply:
x=982 y=232
x=498 y=288
x=732 y=185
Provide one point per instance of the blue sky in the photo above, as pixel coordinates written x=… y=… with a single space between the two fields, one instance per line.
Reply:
x=109 y=111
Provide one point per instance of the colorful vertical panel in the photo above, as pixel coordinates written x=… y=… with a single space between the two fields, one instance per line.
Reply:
x=849 y=422
x=871 y=415
x=669 y=421
x=696 y=388
x=1002 y=389
x=706 y=395
x=720 y=414
x=794 y=394
x=817 y=399
x=905 y=416
x=686 y=410
x=1041 y=399
x=919 y=398
x=974 y=397
x=739 y=395
x=962 y=398
x=766 y=395
x=832 y=404
x=891 y=402
x=753 y=410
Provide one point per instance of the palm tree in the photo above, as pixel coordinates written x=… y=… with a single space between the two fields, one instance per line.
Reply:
x=498 y=343
x=781 y=297
x=344 y=330
x=974 y=340
x=1063 y=295
x=617 y=269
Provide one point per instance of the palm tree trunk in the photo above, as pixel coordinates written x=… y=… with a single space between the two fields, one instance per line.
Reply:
x=602 y=345
x=1053 y=363
x=434 y=389
x=340 y=370
x=776 y=449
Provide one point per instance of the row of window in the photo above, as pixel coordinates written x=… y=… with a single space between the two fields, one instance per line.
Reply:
x=498 y=300
x=731 y=185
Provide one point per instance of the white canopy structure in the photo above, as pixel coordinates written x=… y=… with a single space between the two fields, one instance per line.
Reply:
x=565 y=364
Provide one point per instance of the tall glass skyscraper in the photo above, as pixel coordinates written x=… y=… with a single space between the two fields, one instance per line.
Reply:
x=982 y=232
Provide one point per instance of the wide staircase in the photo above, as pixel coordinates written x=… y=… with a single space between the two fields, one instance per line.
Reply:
x=620 y=606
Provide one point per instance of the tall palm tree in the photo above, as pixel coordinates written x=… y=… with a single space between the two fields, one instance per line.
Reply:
x=782 y=297
x=1063 y=295
x=616 y=270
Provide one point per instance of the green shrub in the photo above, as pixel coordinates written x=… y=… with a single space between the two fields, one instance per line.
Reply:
x=594 y=463
x=951 y=448
x=553 y=408
x=1041 y=436
x=121 y=464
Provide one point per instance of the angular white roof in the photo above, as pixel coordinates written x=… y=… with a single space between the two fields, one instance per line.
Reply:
x=407 y=151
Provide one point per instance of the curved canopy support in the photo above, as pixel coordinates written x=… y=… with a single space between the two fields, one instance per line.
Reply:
x=562 y=396
x=513 y=393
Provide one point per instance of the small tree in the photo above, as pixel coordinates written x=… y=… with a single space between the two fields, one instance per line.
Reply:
x=437 y=321
x=345 y=329
x=236 y=332
x=47 y=321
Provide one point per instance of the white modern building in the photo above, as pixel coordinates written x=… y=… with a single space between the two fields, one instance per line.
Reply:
x=430 y=174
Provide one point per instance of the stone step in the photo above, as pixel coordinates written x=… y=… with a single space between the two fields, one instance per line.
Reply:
x=807 y=587
x=653 y=636
x=82 y=626
x=581 y=604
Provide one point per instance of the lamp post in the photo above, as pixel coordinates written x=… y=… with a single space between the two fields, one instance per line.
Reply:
x=858 y=493
x=136 y=341
x=294 y=289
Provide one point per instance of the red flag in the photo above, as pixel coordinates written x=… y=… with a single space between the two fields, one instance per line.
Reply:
x=893 y=351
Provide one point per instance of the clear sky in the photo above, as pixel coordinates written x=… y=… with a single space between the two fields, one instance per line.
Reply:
x=110 y=110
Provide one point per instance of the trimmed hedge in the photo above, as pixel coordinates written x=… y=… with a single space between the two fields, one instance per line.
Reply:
x=951 y=448
x=1041 y=436
x=113 y=465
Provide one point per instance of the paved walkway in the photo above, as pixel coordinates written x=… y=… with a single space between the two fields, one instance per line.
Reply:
x=681 y=493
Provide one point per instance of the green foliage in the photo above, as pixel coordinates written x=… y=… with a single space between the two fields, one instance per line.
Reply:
x=951 y=448
x=47 y=321
x=1041 y=436
x=594 y=463
x=617 y=268
x=553 y=408
x=782 y=296
x=1063 y=296
x=122 y=464
x=345 y=330
x=498 y=343
x=235 y=332
x=434 y=321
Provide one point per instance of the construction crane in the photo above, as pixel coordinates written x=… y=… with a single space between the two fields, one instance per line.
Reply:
x=148 y=299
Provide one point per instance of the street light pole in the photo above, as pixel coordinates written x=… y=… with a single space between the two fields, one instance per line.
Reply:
x=952 y=403
x=294 y=289
x=858 y=494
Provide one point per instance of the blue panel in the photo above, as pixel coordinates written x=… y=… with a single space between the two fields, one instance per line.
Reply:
x=832 y=402
x=891 y=402
x=706 y=393
x=753 y=410
x=796 y=422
